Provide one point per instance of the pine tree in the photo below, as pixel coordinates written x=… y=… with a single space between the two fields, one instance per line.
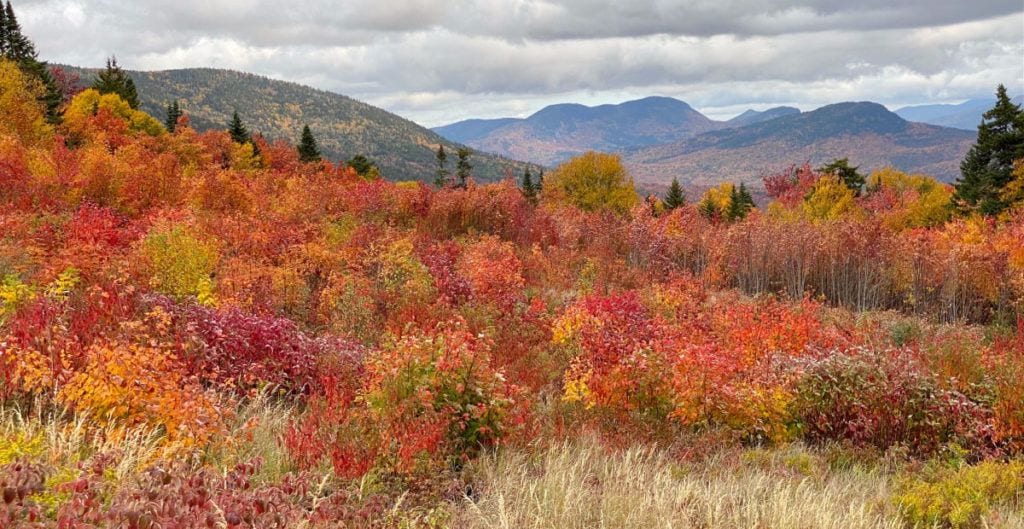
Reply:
x=114 y=80
x=17 y=47
x=740 y=203
x=173 y=113
x=675 y=197
x=239 y=134
x=462 y=166
x=529 y=190
x=988 y=167
x=841 y=167
x=308 y=149
x=362 y=165
x=3 y=30
x=441 y=179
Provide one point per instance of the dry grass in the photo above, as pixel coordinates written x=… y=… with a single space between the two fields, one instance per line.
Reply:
x=581 y=486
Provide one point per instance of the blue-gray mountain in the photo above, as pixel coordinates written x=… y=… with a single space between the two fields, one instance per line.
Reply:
x=966 y=115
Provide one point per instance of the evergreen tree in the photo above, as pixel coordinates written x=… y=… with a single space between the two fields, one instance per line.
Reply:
x=239 y=133
x=540 y=182
x=462 y=166
x=740 y=203
x=441 y=179
x=362 y=165
x=708 y=209
x=308 y=149
x=841 y=167
x=114 y=80
x=988 y=167
x=173 y=113
x=16 y=47
x=529 y=190
x=675 y=196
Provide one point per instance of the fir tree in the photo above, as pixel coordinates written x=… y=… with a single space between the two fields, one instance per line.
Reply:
x=529 y=190
x=308 y=149
x=441 y=178
x=988 y=167
x=362 y=165
x=239 y=133
x=841 y=167
x=3 y=30
x=114 y=80
x=675 y=197
x=462 y=166
x=173 y=113
x=740 y=203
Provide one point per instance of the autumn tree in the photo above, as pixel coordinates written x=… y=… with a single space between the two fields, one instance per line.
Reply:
x=173 y=113
x=841 y=167
x=675 y=197
x=441 y=177
x=592 y=182
x=987 y=169
x=308 y=149
x=462 y=166
x=114 y=80
x=17 y=47
x=23 y=115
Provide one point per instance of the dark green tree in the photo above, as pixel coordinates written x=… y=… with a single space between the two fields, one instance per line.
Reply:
x=841 y=167
x=16 y=47
x=441 y=177
x=362 y=165
x=114 y=80
x=462 y=166
x=708 y=209
x=740 y=203
x=529 y=189
x=675 y=196
x=988 y=166
x=173 y=113
x=309 y=151
x=237 y=129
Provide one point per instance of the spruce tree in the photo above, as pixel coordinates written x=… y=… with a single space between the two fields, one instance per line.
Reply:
x=841 y=167
x=114 y=80
x=239 y=134
x=675 y=196
x=462 y=166
x=173 y=113
x=988 y=167
x=362 y=165
x=740 y=203
x=3 y=30
x=441 y=178
x=309 y=151
x=529 y=190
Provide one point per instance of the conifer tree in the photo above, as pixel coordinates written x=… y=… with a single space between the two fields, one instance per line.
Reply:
x=362 y=165
x=441 y=178
x=3 y=30
x=309 y=151
x=740 y=203
x=462 y=166
x=173 y=113
x=239 y=133
x=841 y=167
x=529 y=190
x=539 y=186
x=114 y=80
x=16 y=47
x=988 y=167
x=675 y=196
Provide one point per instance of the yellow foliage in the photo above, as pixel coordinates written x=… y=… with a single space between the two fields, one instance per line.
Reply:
x=576 y=390
x=84 y=105
x=12 y=294
x=1013 y=193
x=592 y=182
x=960 y=498
x=829 y=199
x=720 y=197
x=180 y=264
x=23 y=115
x=922 y=200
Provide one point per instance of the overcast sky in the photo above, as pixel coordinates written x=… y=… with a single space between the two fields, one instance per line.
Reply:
x=438 y=61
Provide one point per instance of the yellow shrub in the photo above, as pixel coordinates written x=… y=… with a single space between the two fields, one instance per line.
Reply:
x=180 y=264
x=960 y=498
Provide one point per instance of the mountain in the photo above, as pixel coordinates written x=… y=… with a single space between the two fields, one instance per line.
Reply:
x=966 y=115
x=754 y=116
x=342 y=126
x=558 y=132
x=869 y=134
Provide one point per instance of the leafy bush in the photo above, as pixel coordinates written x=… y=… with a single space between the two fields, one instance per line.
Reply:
x=960 y=498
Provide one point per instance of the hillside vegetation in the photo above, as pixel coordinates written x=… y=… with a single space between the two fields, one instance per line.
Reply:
x=197 y=334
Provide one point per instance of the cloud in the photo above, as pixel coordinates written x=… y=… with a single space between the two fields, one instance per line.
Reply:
x=436 y=61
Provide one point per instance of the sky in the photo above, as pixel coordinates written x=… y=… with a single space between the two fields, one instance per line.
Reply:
x=440 y=61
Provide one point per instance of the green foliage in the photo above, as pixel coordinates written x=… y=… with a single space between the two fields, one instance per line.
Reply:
x=173 y=114
x=462 y=167
x=364 y=166
x=675 y=196
x=17 y=47
x=841 y=167
x=114 y=80
x=308 y=149
x=442 y=173
x=960 y=498
x=530 y=190
x=180 y=263
x=239 y=132
x=988 y=167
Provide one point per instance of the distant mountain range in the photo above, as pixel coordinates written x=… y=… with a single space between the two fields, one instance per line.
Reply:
x=662 y=138
x=867 y=133
x=966 y=115
x=342 y=126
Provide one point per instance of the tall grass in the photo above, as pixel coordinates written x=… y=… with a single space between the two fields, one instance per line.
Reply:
x=582 y=486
